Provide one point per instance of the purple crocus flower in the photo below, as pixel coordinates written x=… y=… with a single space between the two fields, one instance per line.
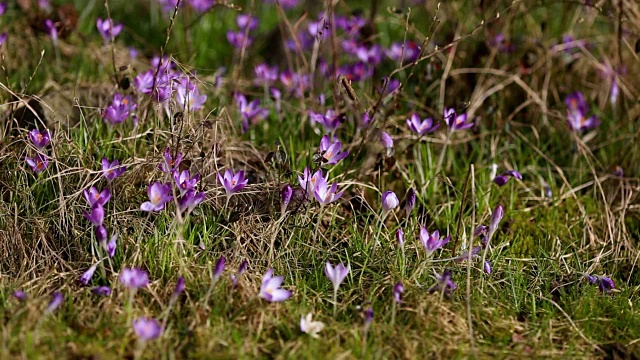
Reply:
x=56 y=301
x=20 y=295
x=432 y=242
x=400 y=237
x=231 y=182
x=50 y=28
x=38 y=164
x=134 y=278
x=3 y=7
x=605 y=284
x=246 y=21
x=387 y=142
x=577 y=109
x=39 y=139
x=325 y=194
x=389 y=202
x=119 y=110
x=237 y=39
x=398 y=289
x=189 y=97
x=286 y=4
x=101 y=233
x=3 y=38
x=409 y=201
x=456 y=122
x=411 y=52
x=285 y=198
x=159 y=196
x=445 y=284
x=201 y=6
x=170 y=164
x=487 y=267
x=147 y=329
x=330 y=120
x=501 y=43
x=101 y=290
x=502 y=180
x=44 y=5
x=110 y=246
x=95 y=215
x=371 y=55
x=265 y=75
x=93 y=196
x=330 y=151
x=184 y=181
x=168 y=6
x=144 y=82
x=181 y=284
x=190 y=200
x=107 y=29
x=368 y=318
x=336 y=274
x=241 y=269
x=251 y=111
x=270 y=288
x=421 y=127
x=112 y=170
x=87 y=275
x=220 y=264
x=496 y=217
x=308 y=182
x=365 y=120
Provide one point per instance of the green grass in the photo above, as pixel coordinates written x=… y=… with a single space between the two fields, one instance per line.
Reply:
x=535 y=302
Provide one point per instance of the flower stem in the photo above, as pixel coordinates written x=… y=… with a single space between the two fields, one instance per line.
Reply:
x=335 y=302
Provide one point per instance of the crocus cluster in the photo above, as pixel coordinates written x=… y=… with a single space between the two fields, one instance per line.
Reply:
x=502 y=179
x=577 y=110
x=317 y=185
x=405 y=53
x=604 y=283
x=250 y=111
x=188 y=96
x=246 y=24
x=185 y=185
x=199 y=6
x=162 y=81
x=119 y=110
x=40 y=140
x=329 y=120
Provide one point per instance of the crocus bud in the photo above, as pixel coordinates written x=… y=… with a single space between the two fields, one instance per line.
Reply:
x=387 y=142
x=219 y=268
x=400 y=237
x=86 y=277
x=285 y=198
x=409 y=201
x=398 y=289
x=181 y=284
x=498 y=213
x=389 y=202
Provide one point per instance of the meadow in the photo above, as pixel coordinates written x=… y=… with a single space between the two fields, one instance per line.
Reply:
x=366 y=179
